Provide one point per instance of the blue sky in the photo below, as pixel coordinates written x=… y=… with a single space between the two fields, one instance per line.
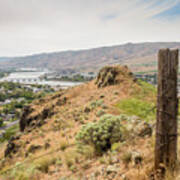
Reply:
x=34 y=26
x=170 y=13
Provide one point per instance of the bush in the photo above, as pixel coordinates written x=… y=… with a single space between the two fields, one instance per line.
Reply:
x=9 y=133
x=103 y=133
x=97 y=103
x=1 y=122
x=116 y=146
x=100 y=113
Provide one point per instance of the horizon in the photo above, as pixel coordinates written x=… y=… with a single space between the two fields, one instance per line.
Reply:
x=35 y=27
x=86 y=49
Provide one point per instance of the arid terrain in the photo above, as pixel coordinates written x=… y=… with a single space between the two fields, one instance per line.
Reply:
x=103 y=129
x=140 y=57
x=47 y=146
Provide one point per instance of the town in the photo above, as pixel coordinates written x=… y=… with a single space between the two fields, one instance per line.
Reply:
x=19 y=87
x=14 y=96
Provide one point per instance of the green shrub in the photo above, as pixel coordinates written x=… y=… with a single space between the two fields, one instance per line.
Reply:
x=103 y=133
x=116 y=146
x=1 y=122
x=99 y=102
x=100 y=113
x=9 y=133
x=96 y=103
x=104 y=106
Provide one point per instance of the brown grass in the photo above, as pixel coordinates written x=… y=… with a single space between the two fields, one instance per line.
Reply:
x=64 y=136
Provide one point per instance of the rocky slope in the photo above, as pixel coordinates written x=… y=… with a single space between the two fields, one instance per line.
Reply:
x=99 y=130
x=140 y=57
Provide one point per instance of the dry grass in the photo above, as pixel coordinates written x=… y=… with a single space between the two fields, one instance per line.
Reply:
x=69 y=162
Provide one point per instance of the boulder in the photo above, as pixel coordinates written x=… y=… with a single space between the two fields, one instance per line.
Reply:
x=112 y=75
x=143 y=129
x=31 y=119
x=139 y=127
x=12 y=147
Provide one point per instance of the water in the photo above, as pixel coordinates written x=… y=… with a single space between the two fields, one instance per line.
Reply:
x=59 y=83
x=36 y=78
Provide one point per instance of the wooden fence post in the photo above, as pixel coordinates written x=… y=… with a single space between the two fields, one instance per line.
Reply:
x=167 y=109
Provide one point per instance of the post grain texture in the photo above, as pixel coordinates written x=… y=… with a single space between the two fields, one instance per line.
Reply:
x=167 y=110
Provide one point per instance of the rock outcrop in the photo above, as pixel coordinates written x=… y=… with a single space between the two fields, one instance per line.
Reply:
x=36 y=115
x=111 y=75
x=12 y=147
x=28 y=120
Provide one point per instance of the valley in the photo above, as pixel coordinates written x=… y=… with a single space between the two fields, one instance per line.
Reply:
x=76 y=124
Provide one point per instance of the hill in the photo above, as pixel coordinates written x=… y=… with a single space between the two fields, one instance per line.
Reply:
x=103 y=129
x=139 y=57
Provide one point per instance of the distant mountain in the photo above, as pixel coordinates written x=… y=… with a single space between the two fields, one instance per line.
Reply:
x=4 y=59
x=140 y=57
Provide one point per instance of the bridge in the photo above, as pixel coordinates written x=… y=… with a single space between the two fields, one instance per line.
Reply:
x=24 y=81
x=25 y=77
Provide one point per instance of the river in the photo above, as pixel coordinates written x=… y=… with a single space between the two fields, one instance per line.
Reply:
x=35 y=78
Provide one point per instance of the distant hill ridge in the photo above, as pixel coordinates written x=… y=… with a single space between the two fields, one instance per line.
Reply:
x=139 y=56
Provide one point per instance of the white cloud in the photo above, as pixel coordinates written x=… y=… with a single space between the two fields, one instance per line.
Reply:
x=32 y=26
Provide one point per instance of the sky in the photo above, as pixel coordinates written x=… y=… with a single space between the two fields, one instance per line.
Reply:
x=36 y=26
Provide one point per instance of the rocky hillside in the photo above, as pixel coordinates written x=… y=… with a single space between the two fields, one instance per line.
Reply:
x=140 y=57
x=101 y=130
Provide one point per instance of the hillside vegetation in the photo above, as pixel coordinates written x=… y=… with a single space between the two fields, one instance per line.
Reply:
x=103 y=129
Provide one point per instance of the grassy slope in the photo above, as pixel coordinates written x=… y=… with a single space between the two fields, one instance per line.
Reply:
x=141 y=103
x=57 y=156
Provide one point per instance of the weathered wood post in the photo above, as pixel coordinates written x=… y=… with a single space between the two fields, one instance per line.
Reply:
x=167 y=109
